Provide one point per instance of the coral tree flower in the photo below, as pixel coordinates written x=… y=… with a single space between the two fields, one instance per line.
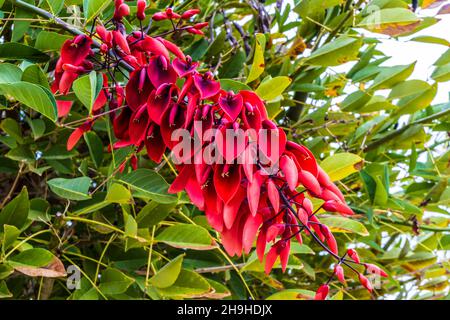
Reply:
x=261 y=194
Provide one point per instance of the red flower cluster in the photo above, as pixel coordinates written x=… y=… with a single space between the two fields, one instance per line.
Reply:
x=254 y=194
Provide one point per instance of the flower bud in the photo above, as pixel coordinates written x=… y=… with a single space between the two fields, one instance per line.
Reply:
x=124 y=10
x=190 y=13
x=192 y=30
x=353 y=255
x=201 y=25
x=322 y=292
x=339 y=272
x=371 y=268
x=365 y=282
x=141 y=5
x=160 y=16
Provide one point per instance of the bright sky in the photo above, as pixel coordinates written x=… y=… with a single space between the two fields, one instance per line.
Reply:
x=404 y=51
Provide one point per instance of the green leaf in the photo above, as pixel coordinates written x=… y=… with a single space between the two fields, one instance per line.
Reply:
x=95 y=147
x=93 y=8
x=55 y=6
x=4 y=291
x=131 y=228
x=341 y=165
x=187 y=236
x=71 y=189
x=311 y=8
x=273 y=88
x=342 y=224
x=12 y=128
x=389 y=21
x=235 y=86
x=390 y=76
x=37 y=126
x=337 y=52
x=418 y=100
x=430 y=39
x=292 y=294
x=381 y=194
x=442 y=73
x=9 y=73
x=21 y=153
x=153 y=212
x=5 y=270
x=10 y=234
x=36 y=257
x=114 y=281
x=85 y=89
x=15 y=213
x=18 y=51
x=33 y=96
x=168 y=274
x=150 y=184
x=50 y=41
x=188 y=285
x=34 y=74
x=355 y=101
x=117 y=193
x=258 y=58
x=443 y=59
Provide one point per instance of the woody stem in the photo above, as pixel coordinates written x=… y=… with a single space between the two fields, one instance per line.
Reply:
x=66 y=26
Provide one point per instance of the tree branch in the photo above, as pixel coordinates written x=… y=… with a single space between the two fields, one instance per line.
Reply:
x=66 y=26
x=396 y=133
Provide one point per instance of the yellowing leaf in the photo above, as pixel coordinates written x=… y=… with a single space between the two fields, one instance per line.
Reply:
x=391 y=21
x=342 y=224
x=341 y=165
x=258 y=58
x=272 y=88
x=337 y=52
x=55 y=269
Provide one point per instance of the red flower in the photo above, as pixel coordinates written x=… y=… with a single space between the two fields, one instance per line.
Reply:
x=322 y=292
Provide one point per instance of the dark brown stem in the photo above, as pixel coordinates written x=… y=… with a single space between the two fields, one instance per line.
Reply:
x=66 y=26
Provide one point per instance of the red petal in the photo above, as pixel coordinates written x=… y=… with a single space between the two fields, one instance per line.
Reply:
x=289 y=169
x=227 y=179
x=339 y=272
x=304 y=157
x=254 y=192
x=158 y=101
x=231 y=209
x=231 y=104
x=213 y=207
x=63 y=107
x=74 y=51
x=139 y=123
x=183 y=68
x=207 y=86
x=253 y=99
x=154 y=46
x=310 y=182
x=137 y=89
x=250 y=230
x=271 y=257
x=322 y=292
x=154 y=144
x=180 y=182
x=172 y=48
x=273 y=194
x=74 y=138
x=160 y=71
x=261 y=245
x=66 y=81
